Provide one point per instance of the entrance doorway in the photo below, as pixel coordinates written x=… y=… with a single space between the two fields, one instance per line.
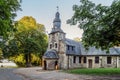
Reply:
x=56 y=65
x=45 y=65
x=90 y=63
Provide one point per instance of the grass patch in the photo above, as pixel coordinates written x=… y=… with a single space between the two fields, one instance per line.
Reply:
x=98 y=71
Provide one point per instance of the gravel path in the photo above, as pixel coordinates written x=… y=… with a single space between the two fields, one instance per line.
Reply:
x=39 y=74
x=7 y=74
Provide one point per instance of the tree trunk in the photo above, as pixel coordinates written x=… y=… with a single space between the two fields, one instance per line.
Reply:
x=26 y=59
x=41 y=62
x=29 y=59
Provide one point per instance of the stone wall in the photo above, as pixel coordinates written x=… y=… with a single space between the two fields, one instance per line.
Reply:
x=71 y=64
x=50 y=64
x=115 y=62
x=62 y=61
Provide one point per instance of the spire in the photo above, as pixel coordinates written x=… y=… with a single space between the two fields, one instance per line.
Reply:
x=57 y=21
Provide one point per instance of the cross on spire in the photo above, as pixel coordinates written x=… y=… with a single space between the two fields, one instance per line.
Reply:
x=57 y=8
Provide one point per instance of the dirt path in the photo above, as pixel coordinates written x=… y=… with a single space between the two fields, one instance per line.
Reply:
x=39 y=74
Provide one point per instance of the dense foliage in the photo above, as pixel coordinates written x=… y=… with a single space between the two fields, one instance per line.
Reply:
x=101 y=24
x=8 y=10
x=20 y=60
x=29 y=40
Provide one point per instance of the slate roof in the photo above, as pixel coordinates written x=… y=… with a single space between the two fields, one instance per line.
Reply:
x=80 y=50
x=94 y=51
x=54 y=30
x=57 y=19
x=50 y=54
x=77 y=46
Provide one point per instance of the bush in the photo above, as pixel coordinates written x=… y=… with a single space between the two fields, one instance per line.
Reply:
x=20 y=60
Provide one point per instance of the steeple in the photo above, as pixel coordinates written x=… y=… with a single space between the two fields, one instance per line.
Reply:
x=57 y=21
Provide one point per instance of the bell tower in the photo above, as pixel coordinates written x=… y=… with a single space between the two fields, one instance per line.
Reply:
x=57 y=34
x=54 y=56
x=57 y=21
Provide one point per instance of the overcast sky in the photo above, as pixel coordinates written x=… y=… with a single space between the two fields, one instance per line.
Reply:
x=44 y=12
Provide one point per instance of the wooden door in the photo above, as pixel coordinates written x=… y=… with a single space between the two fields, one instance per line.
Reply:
x=90 y=63
x=56 y=65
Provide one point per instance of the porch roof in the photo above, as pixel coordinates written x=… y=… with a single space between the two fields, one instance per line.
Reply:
x=50 y=54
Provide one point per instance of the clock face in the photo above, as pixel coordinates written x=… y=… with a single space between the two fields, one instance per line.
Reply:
x=57 y=24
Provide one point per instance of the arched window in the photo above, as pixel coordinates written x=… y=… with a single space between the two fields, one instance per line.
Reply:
x=55 y=45
x=50 y=46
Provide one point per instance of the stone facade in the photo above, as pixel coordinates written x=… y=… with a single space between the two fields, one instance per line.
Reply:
x=63 y=53
x=90 y=62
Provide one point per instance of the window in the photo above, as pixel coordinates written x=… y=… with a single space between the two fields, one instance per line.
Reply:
x=84 y=59
x=55 y=45
x=50 y=46
x=97 y=59
x=79 y=59
x=74 y=59
x=108 y=60
x=72 y=48
x=68 y=47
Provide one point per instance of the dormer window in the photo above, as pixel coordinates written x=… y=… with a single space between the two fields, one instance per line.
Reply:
x=73 y=48
x=68 y=47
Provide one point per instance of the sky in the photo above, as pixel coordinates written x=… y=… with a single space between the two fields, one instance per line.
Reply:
x=44 y=13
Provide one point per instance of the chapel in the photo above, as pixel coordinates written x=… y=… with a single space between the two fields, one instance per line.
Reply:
x=64 y=53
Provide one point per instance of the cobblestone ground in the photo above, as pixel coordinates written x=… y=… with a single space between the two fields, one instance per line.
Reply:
x=7 y=74
x=39 y=74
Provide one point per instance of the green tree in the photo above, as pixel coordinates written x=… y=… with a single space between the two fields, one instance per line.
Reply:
x=8 y=10
x=101 y=24
x=27 y=41
x=28 y=22
x=18 y=59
